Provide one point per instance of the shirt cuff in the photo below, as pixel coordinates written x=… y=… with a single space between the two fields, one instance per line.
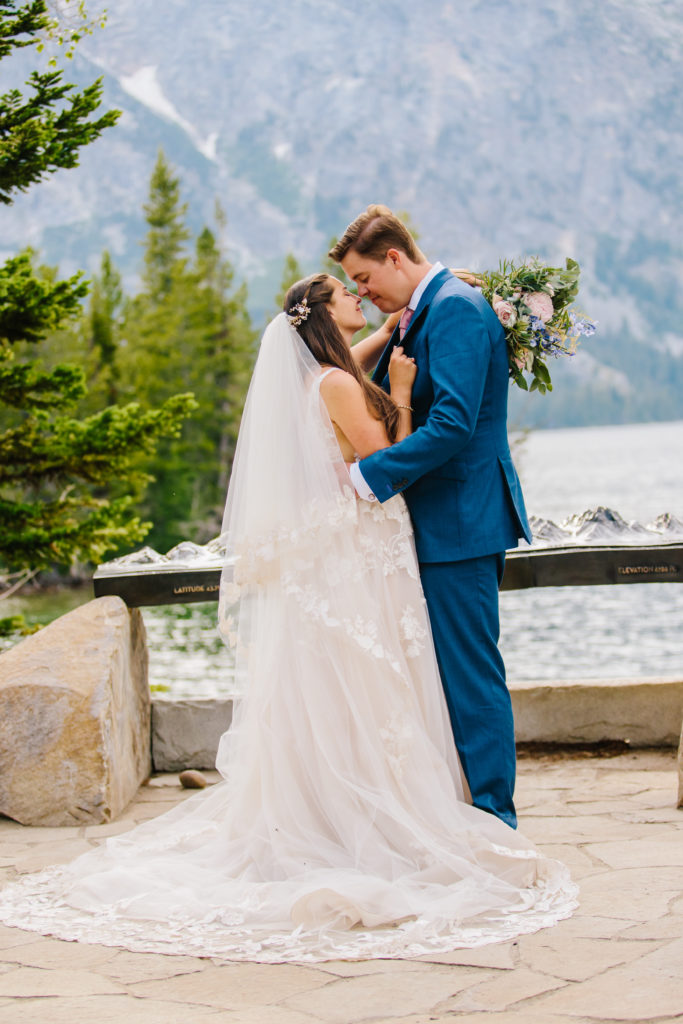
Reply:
x=358 y=481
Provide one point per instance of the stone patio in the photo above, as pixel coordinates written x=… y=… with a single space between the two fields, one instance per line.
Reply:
x=612 y=819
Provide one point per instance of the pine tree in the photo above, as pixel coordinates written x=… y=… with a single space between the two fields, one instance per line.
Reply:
x=189 y=328
x=56 y=469
x=153 y=365
x=165 y=216
x=102 y=323
x=223 y=344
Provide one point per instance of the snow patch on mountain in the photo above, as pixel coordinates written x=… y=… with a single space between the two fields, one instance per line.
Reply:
x=144 y=86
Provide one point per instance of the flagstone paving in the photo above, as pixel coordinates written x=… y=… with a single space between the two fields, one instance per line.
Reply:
x=613 y=820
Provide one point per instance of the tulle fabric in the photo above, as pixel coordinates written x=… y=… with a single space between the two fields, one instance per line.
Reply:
x=342 y=828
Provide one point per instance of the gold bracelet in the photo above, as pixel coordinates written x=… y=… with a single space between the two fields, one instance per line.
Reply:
x=399 y=406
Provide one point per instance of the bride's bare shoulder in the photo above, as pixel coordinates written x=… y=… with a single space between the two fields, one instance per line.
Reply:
x=339 y=382
x=340 y=389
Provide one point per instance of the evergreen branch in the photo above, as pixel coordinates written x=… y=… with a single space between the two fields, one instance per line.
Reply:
x=22 y=386
x=95 y=450
x=38 y=535
x=35 y=140
x=29 y=20
x=31 y=306
x=45 y=129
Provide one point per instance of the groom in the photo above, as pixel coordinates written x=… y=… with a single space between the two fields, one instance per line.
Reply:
x=460 y=484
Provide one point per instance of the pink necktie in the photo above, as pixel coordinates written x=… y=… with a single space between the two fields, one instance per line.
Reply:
x=406 y=317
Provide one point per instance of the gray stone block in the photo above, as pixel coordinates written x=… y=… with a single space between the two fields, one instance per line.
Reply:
x=643 y=712
x=186 y=733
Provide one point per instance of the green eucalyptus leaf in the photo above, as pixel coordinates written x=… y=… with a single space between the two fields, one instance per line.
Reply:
x=541 y=371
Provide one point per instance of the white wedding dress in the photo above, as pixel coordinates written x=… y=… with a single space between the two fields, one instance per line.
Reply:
x=341 y=829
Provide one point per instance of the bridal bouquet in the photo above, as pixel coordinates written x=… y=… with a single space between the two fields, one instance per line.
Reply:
x=532 y=301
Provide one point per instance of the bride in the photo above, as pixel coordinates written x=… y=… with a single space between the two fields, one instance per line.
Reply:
x=342 y=828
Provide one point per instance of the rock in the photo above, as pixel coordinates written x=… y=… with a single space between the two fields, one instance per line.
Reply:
x=192 y=779
x=186 y=733
x=75 y=717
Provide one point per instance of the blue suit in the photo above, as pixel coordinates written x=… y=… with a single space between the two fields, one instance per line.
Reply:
x=467 y=508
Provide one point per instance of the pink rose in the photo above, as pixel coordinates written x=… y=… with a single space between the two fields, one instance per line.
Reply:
x=505 y=312
x=539 y=305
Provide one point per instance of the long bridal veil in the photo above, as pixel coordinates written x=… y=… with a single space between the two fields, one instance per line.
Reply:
x=341 y=829
x=289 y=493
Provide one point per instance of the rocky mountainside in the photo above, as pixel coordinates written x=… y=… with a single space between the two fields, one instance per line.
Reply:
x=503 y=129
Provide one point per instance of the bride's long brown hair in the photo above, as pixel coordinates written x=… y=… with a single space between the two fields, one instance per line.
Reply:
x=322 y=338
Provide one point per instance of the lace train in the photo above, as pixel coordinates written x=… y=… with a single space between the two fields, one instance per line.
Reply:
x=341 y=830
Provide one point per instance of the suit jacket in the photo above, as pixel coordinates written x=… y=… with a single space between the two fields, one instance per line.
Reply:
x=456 y=470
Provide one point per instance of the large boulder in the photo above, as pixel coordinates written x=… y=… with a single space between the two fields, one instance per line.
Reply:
x=75 y=717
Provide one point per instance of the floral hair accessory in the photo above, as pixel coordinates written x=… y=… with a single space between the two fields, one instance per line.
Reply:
x=298 y=313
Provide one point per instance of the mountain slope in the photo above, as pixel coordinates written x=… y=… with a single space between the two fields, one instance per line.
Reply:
x=503 y=129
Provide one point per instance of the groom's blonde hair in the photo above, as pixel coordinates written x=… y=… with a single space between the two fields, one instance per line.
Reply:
x=373 y=233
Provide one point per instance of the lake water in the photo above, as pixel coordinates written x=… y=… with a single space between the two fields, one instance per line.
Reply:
x=557 y=633
x=598 y=632
x=635 y=469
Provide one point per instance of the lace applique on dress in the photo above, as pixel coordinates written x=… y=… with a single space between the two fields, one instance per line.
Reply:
x=413 y=631
x=390 y=545
x=397 y=735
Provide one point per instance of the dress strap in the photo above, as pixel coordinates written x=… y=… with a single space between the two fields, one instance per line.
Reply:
x=330 y=369
x=321 y=377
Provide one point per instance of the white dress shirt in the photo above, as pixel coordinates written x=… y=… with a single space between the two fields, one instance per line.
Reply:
x=357 y=478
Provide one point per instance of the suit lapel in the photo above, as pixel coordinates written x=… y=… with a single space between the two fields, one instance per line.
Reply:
x=430 y=291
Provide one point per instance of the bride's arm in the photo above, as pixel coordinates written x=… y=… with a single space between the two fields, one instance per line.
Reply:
x=347 y=408
x=366 y=353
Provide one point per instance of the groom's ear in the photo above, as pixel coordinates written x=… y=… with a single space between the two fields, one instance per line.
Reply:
x=396 y=257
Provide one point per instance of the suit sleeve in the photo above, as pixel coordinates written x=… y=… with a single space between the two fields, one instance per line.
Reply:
x=459 y=354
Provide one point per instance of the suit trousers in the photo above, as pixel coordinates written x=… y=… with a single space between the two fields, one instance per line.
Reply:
x=462 y=600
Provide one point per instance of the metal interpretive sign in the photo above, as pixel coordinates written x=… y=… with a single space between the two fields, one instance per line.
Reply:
x=526 y=567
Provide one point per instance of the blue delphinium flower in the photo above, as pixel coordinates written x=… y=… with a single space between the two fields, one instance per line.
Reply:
x=540 y=336
x=583 y=324
x=556 y=345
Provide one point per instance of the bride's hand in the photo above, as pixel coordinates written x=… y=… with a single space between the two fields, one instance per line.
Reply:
x=402 y=372
x=467 y=276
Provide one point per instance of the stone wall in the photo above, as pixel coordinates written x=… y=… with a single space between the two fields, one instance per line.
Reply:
x=642 y=712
